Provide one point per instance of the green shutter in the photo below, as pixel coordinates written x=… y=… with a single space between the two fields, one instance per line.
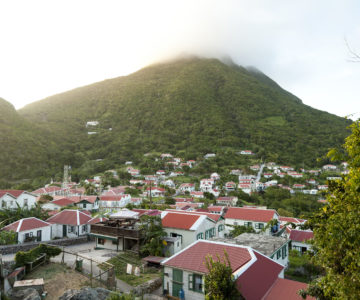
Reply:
x=190 y=282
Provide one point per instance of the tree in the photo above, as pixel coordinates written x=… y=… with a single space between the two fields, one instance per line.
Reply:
x=8 y=237
x=219 y=281
x=336 y=229
x=153 y=232
x=240 y=229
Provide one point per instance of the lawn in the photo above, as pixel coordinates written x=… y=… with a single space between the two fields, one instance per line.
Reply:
x=120 y=262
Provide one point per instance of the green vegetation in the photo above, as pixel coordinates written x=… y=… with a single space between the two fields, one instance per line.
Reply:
x=153 y=232
x=336 y=230
x=21 y=257
x=301 y=268
x=8 y=237
x=8 y=215
x=120 y=262
x=187 y=107
x=240 y=229
x=219 y=281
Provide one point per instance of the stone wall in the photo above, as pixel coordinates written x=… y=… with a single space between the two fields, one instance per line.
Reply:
x=9 y=249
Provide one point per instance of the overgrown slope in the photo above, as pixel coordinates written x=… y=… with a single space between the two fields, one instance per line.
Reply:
x=196 y=105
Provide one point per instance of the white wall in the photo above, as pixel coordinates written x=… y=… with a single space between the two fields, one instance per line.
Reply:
x=45 y=234
x=188 y=293
x=50 y=206
x=57 y=231
x=6 y=200
x=242 y=223
x=284 y=261
x=108 y=244
x=31 y=200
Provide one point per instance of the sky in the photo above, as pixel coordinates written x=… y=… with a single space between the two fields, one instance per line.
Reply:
x=47 y=47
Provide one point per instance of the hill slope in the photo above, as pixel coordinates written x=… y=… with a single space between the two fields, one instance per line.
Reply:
x=196 y=105
x=25 y=149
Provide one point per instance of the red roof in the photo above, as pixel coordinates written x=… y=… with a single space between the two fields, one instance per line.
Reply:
x=214 y=217
x=215 y=208
x=179 y=220
x=301 y=235
x=46 y=190
x=256 y=281
x=250 y=214
x=15 y=193
x=77 y=199
x=286 y=289
x=63 y=202
x=193 y=258
x=290 y=219
x=69 y=217
x=26 y=224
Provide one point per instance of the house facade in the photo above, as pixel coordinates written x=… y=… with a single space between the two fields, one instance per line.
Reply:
x=251 y=217
x=19 y=197
x=30 y=229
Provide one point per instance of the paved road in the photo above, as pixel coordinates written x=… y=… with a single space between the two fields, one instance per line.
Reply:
x=258 y=177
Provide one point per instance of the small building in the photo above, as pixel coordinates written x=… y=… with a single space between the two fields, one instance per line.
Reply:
x=30 y=229
x=254 y=273
x=299 y=239
x=230 y=186
x=69 y=223
x=17 y=198
x=187 y=187
x=58 y=204
x=119 y=233
x=227 y=201
x=254 y=217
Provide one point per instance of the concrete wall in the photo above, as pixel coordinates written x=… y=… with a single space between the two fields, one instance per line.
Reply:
x=57 y=231
x=8 y=249
x=45 y=234
x=188 y=293
x=108 y=244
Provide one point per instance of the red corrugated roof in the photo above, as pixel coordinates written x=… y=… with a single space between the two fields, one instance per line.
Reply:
x=15 y=193
x=69 y=217
x=250 y=214
x=63 y=202
x=26 y=224
x=179 y=220
x=286 y=289
x=112 y=198
x=301 y=235
x=215 y=208
x=193 y=258
x=290 y=219
x=255 y=282
x=214 y=217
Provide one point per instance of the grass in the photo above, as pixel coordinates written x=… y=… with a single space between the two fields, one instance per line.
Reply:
x=300 y=268
x=120 y=262
x=48 y=271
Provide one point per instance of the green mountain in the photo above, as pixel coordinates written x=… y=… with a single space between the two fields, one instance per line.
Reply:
x=24 y=146
x=192 y=106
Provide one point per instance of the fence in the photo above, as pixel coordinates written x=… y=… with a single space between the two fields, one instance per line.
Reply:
x=89 y=267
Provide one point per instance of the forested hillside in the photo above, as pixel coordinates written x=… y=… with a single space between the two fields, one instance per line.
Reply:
x=190 y=105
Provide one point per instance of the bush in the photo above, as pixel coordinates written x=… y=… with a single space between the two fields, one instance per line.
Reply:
x=21 y=258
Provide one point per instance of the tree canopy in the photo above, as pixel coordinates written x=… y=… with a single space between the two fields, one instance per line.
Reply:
x=336 y=230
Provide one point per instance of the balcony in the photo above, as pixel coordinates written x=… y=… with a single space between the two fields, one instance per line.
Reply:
x=104 y=229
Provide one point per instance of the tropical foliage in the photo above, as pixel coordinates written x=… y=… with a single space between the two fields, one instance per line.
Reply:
x=219 y=281
x=153 y=232
x=8 y=237
x=8 y=215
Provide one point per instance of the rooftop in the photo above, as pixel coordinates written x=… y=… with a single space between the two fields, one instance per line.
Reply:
x=265 y=244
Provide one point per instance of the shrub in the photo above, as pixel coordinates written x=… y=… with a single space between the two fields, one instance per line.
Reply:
x=21 y=258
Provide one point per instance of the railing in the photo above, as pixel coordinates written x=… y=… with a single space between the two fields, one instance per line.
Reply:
x=114 y=231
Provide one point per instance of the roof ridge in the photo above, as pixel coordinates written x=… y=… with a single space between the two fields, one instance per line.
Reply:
x=19 y=226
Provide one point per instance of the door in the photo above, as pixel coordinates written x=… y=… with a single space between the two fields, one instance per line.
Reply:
x=177 y=283
x=64 y=230
x=38 y=235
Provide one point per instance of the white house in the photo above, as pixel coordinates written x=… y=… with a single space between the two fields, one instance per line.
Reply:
x=245 y=187
x=197 y=194
x=246 y=152
x=206 y=184
x=69 y=223
x=169 y=183
x=209 y=155
x=256 y=276
x=30 y=229
x=111 y=203
x=227 y=201
x=48 y=190
x=230 y=186
x=19 y=197
x=329 y=168
x=160 y=172
x=254 y=217
x=86 y=202
x=215 y=176
x=58 y=204
x=187 y=187
x=155 y=192
x=299 y=239
x=190 y=227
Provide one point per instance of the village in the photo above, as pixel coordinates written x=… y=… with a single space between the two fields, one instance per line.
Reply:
x=97 y=225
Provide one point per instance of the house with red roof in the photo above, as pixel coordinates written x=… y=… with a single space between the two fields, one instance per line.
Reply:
x=155 y=192
x=113 y=203
x=206 y=184
x=227 y=201
x=187 y=187
x=216 y=209
x=58 y=204
x=69 y=223
x=30 y=229
x=197 y=194
x=13 y=198
x=189 y=227
x=97 y=220
x=230 y=186
x=254 y=273
x=254 y=217
x=86 y=202
x=299 y=239
x=48 y=190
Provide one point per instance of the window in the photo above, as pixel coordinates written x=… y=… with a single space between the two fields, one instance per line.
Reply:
x=200 y=236
x=71 y=229
x=259 y=225
x=283 y=252
x=3 y=204
x=101 y=241
x=25 y=202
x=84 y=205
x=248 y=224
x=221 y=227
x=115 y=242
x=235 y=223
x=195 y=283
x=278 y=254
x=84 y=228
